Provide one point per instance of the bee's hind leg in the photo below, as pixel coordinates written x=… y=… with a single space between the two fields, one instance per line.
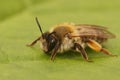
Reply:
x=82 y=51
x=97 y=47
x=34 y=42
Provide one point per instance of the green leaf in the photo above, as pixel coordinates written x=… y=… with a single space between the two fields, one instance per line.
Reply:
x=18 y=28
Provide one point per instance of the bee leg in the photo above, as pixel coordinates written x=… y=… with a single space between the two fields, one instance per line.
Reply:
x=83 y=52
x=97 y=47
x=34 y=42
x=54 y=52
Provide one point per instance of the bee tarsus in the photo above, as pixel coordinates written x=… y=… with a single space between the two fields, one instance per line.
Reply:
x=34 y=42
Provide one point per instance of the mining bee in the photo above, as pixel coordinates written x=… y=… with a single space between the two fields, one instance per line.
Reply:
x=69 y=36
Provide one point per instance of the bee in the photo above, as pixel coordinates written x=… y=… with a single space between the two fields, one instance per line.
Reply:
x=69 y=36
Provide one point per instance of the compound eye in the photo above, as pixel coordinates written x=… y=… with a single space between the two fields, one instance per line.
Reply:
x=51 y=43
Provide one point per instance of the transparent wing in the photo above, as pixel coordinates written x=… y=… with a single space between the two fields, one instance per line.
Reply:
x=87 y=30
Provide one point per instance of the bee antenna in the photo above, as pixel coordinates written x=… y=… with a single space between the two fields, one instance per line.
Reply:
x=39 y=25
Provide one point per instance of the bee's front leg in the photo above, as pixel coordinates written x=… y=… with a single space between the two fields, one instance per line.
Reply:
x=34 y=42
x=54 y=52
x=82 y=51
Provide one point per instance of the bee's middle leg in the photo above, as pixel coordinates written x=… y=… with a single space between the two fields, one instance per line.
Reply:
x=82 y=51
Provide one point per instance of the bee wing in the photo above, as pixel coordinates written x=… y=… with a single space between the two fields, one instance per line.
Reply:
x=86 y=30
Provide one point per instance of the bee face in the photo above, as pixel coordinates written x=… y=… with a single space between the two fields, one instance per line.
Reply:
x=48 y=42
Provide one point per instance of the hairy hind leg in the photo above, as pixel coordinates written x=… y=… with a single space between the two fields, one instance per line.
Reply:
x=97 y=47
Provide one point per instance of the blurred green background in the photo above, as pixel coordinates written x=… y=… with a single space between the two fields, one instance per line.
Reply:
x=18 y=27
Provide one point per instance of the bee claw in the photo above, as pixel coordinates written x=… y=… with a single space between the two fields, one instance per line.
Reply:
x=89 y=61
x=28 y=45
x=51 y=59
x=114 y=55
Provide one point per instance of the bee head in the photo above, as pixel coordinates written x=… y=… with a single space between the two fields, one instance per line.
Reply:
x=47 y=40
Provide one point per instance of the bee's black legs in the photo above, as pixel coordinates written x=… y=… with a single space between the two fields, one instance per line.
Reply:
x=82 y=50
x=54 y=52
x=34 y=42
x=97 y=47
